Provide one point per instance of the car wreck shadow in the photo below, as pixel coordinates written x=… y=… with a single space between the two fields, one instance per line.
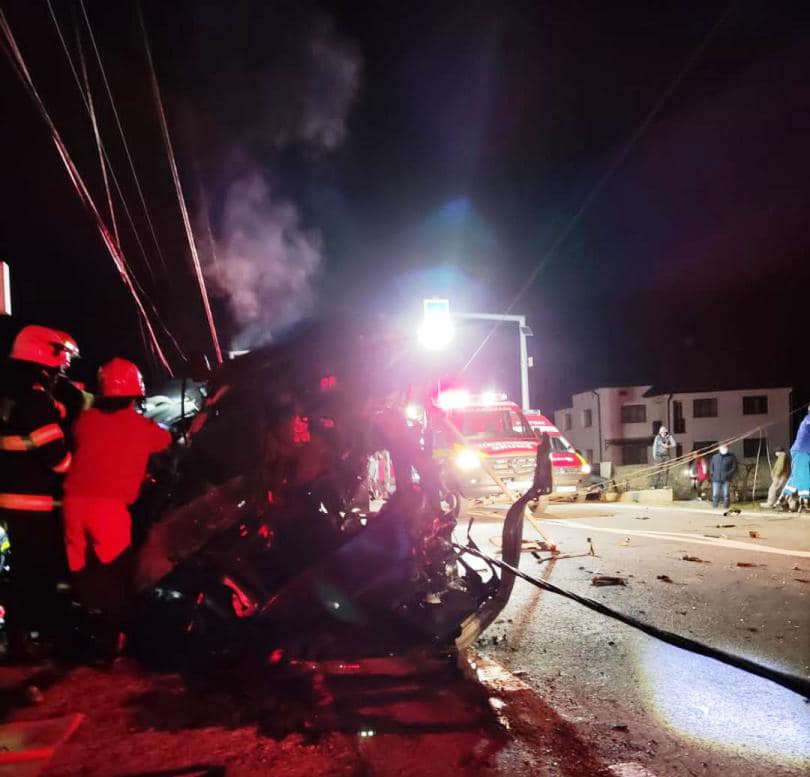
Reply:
x=315 y=704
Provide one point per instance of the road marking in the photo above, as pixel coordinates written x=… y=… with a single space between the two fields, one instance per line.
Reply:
x=682 y=537
x=630 y=770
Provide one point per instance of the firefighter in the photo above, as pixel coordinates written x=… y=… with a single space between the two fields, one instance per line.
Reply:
x=33 y=461
x=113 y=444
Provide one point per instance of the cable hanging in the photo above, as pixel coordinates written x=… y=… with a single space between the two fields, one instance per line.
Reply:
x=614 y=165
x=179 y=190
x=15 y=57
x=85 y=93
x=121 y=133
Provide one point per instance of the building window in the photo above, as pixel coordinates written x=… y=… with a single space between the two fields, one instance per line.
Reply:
x=704 y=408
x=703 y=445
x=634 y=414
x=753 y=447
x=635 y=454
x=755 y=405
x=678 y=421
x=589 y=455
x=568 y=422
x=587 y=417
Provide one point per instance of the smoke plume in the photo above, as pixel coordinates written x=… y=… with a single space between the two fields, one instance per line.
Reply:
x=266 y=262
x=265 y=259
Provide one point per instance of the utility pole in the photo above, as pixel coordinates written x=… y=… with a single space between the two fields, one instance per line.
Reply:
x=5 y=290
x=524 y=331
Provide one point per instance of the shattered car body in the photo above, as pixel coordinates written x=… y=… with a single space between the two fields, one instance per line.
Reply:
x=262 y=543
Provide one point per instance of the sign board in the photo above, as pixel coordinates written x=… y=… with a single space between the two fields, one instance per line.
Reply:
x=436 y=308
x=5 y=290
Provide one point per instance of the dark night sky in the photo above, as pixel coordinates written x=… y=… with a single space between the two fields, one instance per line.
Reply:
x=476 y=132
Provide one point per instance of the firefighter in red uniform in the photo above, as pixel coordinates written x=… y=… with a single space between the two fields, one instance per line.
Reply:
x=113 y=444
x=33 y=461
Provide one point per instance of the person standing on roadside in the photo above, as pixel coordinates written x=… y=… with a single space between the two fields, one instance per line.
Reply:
x=663 y=448
x=780 y=472
x=723 y=468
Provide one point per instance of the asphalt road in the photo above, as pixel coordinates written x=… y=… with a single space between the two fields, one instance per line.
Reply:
x=631 y=699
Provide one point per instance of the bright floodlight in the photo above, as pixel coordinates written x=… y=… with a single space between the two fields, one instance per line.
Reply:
x=436 y=333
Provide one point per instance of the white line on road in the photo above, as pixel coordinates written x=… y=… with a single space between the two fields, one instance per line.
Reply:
x=681 y=537
x=630 y=770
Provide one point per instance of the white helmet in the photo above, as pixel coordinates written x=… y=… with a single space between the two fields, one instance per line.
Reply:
x=663 y=430
x=723 y=449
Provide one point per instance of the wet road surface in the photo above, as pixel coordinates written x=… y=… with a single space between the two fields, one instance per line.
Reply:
x=635 y=699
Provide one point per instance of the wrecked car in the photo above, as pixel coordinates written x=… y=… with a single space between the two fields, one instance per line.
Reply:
x=258 y=537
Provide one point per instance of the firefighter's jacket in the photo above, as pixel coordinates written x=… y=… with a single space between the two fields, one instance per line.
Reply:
x=33 y=452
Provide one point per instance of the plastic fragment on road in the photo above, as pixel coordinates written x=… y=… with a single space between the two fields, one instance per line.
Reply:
x=34 y=741
x=602 y=580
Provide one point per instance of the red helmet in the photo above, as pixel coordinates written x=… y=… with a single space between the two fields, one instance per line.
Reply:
x=45 y=346
x=121 y=378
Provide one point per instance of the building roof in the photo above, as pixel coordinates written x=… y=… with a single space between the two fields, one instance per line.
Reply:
x=706 y=388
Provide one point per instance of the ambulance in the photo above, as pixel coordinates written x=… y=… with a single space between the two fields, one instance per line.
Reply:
x=570 y=469
x=472 y=434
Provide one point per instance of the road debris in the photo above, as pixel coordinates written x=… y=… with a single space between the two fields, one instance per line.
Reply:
x=754 y=535
x=664 y=578
x=748 y=564
x=625 y=542
x=696 y=559
x=642 y=517
x=602 y=580
x=801 y=580
x=620 y=727
x=732 y=511
x=725 y=525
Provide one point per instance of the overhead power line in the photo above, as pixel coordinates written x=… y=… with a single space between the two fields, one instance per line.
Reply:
x=614 y=165
x=179 y=190
x=121 y=133
x=18 y=63
x=85 y=93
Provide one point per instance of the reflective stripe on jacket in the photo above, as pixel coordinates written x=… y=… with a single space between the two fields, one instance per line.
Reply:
x=34 y=454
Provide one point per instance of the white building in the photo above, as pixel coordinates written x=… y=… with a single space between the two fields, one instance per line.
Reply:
x=618 y=424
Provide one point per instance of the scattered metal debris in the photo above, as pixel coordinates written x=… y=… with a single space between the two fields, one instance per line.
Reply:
x=603 y=580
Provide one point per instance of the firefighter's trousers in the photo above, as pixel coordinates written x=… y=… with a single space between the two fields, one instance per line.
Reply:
x=98 y=534
x=37 y=566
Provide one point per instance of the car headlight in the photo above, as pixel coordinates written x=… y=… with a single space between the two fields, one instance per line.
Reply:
x=468 y=459
x=585 y=469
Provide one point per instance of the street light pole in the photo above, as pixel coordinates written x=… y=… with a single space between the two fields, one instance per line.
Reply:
x=524 y=331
